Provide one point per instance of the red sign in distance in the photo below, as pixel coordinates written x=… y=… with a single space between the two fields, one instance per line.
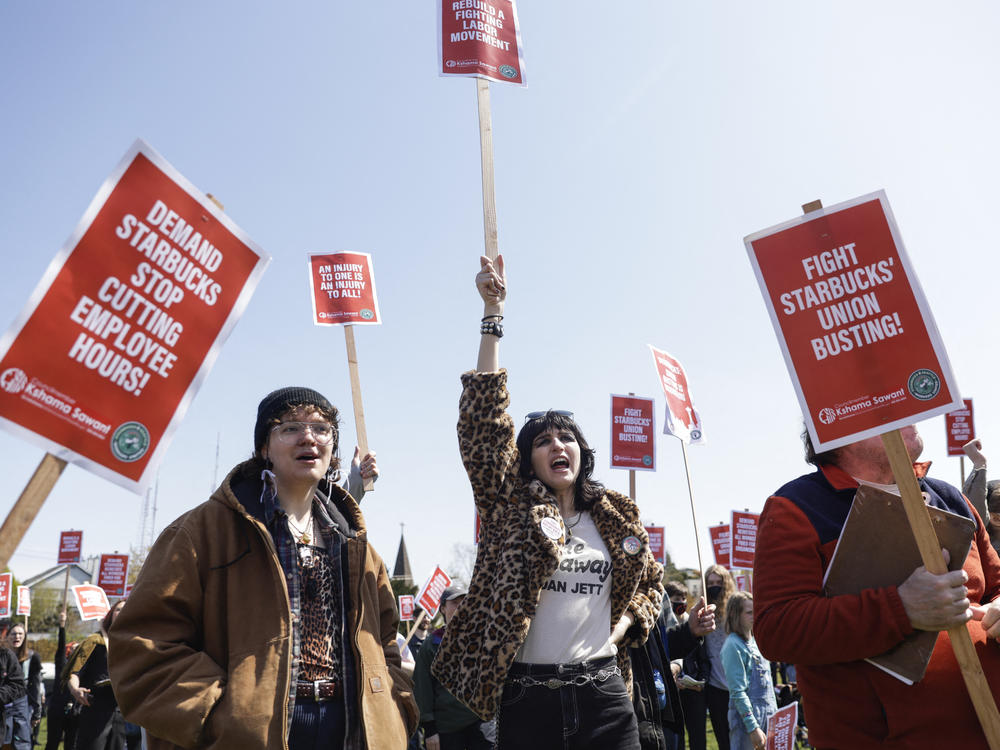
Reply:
x=856 y=331
x=744 y=539
x=480 y=38
x=633 y=433
x=123 y=328
x=6 y=590
x=429 y=597
x=113 y=574
x=406 y=607
x=70 y=544
x=781 y=728
x=91 y=601
x=959 y=428
x=343 y=289
x=721 y=544
x=24 y=601
x=657 y=543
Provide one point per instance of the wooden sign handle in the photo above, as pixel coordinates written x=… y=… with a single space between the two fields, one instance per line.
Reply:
x=486 y=155
x=359 y=409
x=930 y=553
x=416 y=624
x=15 y=526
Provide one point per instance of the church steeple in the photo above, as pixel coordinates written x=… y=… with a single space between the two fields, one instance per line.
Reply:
x=401 y=570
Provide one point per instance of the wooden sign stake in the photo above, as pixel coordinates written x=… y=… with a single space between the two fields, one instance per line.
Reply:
x=486 y=155
x=15 y=526
x=930 y=553
x=694 y=520
x=359 y=409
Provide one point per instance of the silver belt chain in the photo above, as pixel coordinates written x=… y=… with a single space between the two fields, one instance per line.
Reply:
x=554 y=683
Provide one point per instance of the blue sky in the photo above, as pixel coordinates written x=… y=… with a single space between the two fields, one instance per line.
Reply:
x=652 y=137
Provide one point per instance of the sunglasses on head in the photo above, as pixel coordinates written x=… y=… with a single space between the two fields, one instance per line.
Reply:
x=533 y=415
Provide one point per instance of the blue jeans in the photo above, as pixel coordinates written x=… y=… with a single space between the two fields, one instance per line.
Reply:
x=592 y=716
x=317 y=725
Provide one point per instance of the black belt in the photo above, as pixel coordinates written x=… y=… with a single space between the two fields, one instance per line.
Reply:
x=318 y=690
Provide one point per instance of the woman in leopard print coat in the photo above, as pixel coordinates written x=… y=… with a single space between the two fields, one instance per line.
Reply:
x=564 y=579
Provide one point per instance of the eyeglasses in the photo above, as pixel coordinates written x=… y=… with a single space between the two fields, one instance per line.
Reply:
x=532 y=415
x=292 y=432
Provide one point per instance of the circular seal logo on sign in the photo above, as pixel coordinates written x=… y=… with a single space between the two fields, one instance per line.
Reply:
x=13 y=380
x=647 y=460
x=923 y=384
x=551 y=528
x=631 y=545
x=367 y=314
x=450 y=63
x=130 y=442
x=696 y=434
x=827 y=415
x=508 y=71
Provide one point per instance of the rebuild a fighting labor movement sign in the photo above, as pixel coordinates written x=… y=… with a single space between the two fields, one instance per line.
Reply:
x=633 y=433
x=91 y=601
x=343 y=289
x=70 y=544
x=959 y=428
x=102 y=363
x=682 y=419
x=857 y=333
x=480 y=38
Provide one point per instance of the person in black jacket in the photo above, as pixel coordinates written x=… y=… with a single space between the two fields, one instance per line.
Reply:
x=14 y=730
x=60 y=721
x=654 y=694
x=31 y=669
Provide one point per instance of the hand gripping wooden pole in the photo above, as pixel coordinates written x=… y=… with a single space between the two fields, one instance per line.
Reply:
x=930 y=553
x=359 y=409
x=15 y=526
x=486 y=155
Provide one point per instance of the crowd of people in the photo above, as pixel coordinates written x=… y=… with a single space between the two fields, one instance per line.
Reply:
x=263 y=617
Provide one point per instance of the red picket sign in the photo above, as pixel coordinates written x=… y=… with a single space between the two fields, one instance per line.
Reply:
x=633 y=433
x=744 y=539
x=429 y=597
x=657 y=543
x=721 y=544
x=343 y=289
x=781 y=728
x=406 y=607
x=959 y=428
x=24 y=601
x=859 y=340
x=70 y=544
x=481 y=39
x=91 y=601
x=6 y=590
x=113 y=574
x=100 y=366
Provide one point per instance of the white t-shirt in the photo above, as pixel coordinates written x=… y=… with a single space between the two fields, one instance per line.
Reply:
x=573 y=619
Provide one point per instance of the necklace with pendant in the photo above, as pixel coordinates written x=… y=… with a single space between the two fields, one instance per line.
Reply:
x=571 y=526
x=303 y=534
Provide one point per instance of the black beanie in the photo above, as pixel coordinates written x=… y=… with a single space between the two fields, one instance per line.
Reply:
x=276 y=403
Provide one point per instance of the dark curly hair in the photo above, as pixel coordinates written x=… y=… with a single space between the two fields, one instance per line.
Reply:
x=258 y=463
x=588 y=491
x=825 y=458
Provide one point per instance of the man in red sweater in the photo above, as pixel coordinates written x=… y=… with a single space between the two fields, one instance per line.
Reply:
x=848 y=702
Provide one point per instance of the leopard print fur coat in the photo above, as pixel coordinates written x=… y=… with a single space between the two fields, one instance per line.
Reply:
x=515 y=558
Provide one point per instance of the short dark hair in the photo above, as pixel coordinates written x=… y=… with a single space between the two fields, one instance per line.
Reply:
x=825 y=458
x=673 y=588
x=588 y=491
